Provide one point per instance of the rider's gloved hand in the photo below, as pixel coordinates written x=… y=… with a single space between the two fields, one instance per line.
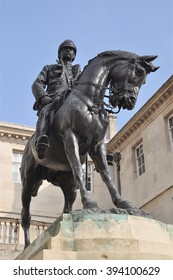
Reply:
x=45 y=100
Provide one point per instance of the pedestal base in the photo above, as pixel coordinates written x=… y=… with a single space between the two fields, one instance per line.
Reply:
x=102 y=236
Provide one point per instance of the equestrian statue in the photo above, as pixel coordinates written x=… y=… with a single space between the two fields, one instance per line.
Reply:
x=76 y=127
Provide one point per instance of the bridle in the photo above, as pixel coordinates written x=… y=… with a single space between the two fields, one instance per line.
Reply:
x=99 y=103
x=114 y=92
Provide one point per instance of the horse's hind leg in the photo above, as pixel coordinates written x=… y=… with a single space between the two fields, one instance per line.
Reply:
x=25 y=213
x=30 y=186
x=71 y=146
x=66 y=182
x=69 y=189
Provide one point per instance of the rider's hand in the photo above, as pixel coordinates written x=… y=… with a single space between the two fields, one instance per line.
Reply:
x=45 y=100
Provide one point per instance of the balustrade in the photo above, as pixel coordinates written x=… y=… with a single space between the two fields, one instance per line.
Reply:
x=10 y=229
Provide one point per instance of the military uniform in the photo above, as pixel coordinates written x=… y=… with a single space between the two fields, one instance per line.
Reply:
x=53 y=80
x=51 y=84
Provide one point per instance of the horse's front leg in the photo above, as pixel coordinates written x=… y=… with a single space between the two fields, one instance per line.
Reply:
x=71 y=146
x=98 y=155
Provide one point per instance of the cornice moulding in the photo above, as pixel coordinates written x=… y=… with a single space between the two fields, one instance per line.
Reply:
x=15 y=131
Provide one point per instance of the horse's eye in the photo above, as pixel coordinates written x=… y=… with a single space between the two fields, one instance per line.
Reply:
x=139 y=70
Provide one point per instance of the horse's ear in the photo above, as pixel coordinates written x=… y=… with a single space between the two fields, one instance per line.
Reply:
x=148 y=58
x=146 y=62
x=155 y=68
x=149 y=67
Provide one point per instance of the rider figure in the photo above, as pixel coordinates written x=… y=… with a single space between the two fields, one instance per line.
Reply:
x=49 y=86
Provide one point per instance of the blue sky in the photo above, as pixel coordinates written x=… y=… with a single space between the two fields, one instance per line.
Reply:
x=31 y=31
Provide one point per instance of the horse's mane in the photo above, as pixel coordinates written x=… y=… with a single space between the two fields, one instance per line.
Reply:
x=118 y=53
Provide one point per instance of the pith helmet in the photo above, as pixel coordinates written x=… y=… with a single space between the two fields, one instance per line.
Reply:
x=67 y=43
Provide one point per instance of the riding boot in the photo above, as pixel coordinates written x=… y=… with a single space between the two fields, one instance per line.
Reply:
x=42 y=144
x=42 y=141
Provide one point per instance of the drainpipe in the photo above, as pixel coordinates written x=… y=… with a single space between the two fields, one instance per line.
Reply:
x=86 y=173
x=117 y=158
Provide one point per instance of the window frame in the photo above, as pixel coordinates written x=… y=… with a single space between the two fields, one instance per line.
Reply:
x=140 y=165
x=170 y=129
x=90 y=175
x=16 y=163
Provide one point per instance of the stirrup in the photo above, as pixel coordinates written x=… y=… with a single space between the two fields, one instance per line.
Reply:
x=42 y=144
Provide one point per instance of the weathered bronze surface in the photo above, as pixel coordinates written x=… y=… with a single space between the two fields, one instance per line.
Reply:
x=77 y=128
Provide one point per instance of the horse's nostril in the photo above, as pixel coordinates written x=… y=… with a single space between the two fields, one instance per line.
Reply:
x=132 y=99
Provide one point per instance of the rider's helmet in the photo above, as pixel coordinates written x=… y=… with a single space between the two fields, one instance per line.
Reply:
x=67 y=43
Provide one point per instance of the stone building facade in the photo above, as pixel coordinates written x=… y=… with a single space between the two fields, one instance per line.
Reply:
x=145 y=145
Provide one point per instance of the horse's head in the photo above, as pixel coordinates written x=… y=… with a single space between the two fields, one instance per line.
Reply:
x=126 y=79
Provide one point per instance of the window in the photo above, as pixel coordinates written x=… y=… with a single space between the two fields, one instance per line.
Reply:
x=170 y=127
x=89 y=172
x=16 y=163
x=140 y=163
x=107 y=135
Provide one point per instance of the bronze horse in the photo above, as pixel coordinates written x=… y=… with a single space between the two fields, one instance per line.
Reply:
x=78 y=128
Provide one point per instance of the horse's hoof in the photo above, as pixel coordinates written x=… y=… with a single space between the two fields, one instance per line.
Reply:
x=125 y=204
x=26 y=245
x=91 y=205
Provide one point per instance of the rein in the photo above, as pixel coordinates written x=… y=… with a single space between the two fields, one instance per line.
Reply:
x=95 y=107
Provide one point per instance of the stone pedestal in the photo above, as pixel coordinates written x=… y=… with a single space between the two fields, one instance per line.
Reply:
x=102 y=236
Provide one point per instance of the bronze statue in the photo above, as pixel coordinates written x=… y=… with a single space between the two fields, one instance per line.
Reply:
x=52 y=84
x=78 y=127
